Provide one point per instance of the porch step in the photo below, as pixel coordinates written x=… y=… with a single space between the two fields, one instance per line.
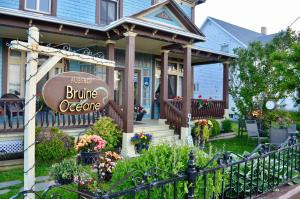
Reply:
x=162 y=134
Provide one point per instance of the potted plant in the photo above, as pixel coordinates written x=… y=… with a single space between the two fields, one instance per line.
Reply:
x=203 y=103
x=88 y=186
x=141 y=141
x=89 y=147
x=200 y=132
x=140 y=112
x=279 y=130
x=65 y=171
x=106 y=164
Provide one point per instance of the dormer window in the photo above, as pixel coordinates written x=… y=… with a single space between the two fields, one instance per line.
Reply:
x=108 y=11
x=42 y=6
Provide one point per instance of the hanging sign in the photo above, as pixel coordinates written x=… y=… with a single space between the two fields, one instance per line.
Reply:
x=75 y=93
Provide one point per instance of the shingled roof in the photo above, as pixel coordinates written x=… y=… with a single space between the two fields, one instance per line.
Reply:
x=243 y=34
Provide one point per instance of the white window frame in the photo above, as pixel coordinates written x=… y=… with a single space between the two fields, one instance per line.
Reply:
x=38 y=7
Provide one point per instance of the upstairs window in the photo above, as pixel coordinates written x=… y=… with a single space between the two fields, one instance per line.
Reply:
x=42 y=6
x=108 y=11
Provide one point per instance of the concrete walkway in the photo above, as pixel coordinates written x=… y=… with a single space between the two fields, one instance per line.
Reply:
x=42 y=183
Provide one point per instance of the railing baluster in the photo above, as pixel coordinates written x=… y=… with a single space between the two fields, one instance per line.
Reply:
x=257 y=176
x=251 y=179
x=278 y=172
x=4 y=114
x=269 y=164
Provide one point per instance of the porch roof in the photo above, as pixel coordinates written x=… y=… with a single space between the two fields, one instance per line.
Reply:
x=113 y=31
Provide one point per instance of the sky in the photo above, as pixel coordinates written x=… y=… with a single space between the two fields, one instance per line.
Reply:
x=276 y=15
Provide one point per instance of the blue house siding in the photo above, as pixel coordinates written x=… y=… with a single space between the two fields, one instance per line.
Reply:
x=13 y=4
x=83 y=11
x=213 y=87
x=134 y=6
x=186 y=9
x=216 y=37
x=209 y=87
x=1 y=54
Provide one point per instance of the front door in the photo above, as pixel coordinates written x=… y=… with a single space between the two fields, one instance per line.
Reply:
x=137 y=87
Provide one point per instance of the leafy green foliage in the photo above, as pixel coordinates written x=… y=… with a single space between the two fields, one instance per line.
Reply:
x=53 y=145
x=170 y=160
x=108 y=130
x=65 y=170
x=272 y=69
x=215 y=129
x=227 y=125
x=275 y=169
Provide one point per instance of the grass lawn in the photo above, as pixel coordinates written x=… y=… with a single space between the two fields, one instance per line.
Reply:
x=236 y=145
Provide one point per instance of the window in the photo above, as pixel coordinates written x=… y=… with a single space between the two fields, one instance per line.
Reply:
x=43 y=6
x=225 y=48
x=98 y=71
x=108 y=11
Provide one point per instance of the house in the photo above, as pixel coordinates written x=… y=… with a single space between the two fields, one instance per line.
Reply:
x=151 y=42
x=225 y=37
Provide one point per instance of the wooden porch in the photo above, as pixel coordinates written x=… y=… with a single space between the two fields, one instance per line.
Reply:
x=12 y=115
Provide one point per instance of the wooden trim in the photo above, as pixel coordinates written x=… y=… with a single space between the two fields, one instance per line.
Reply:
x=163 y=88
x=4 y=66
x=153 y=89
x=51 y=27
x=97 y=12
x=128 y=86
x=187 y=81
x=110 y=72
x=22 y=4
x=225 y=85
x=52 y=11
x=121 y=8
x=139 y=100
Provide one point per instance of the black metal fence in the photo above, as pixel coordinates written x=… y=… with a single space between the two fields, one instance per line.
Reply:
x=227 y=175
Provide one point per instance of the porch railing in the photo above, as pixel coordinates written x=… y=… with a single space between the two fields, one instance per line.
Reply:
x=215 y=109
x=173 y=116
x=12 y=116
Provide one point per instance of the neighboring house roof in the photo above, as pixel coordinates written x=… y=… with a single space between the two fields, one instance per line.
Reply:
x=244 y=35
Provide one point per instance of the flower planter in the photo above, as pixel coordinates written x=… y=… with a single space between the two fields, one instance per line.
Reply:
x=140 y=147
x=278 y=135
x=64 y=181
x=89 y=157
x=139 y=116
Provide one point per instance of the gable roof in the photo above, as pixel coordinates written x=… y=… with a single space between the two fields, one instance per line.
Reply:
x=175 y=10
x=242 y=34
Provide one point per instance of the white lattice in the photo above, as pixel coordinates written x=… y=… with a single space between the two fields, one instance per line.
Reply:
x=11 y=146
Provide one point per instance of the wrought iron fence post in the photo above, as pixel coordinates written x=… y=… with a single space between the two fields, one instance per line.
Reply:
x=192 y=176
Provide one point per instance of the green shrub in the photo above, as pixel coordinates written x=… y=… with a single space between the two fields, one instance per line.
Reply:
x=65 y=171
x=170 y=160
x=53 y=145
x=108 y=130
x=227 y=125
x=216 y=129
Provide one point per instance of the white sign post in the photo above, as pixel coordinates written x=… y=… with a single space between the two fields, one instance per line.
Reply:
x=29 y=113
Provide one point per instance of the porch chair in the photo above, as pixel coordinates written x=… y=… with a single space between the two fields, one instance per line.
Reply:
x=292 y=129
x=252 y=130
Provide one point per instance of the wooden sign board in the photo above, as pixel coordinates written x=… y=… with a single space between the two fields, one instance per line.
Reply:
x=75 y=93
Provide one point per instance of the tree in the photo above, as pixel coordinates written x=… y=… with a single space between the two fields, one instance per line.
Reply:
x=262 y=68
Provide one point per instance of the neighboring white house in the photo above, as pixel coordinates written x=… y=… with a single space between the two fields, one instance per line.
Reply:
x=224 y=36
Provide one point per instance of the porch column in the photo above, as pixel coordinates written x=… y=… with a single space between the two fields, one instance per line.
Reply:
x=187 y=82
x=225 y=84
x=163 y=93
x=128 y=80
x=225 y=89
x=110 y=80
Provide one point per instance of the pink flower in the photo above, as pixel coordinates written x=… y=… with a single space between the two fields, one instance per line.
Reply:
x=200 y=96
